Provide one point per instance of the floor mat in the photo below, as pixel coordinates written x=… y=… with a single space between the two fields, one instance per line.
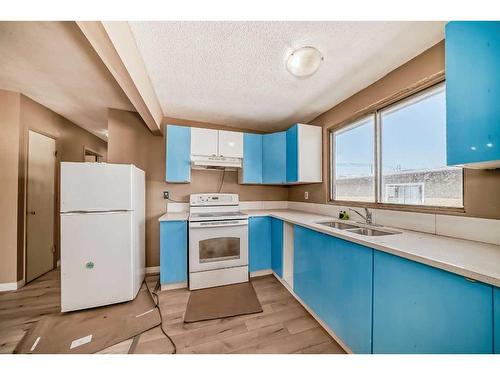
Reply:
x=89 y=331
x=222 y=302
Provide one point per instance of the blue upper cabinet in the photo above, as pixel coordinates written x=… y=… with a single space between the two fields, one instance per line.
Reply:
x=334 y=278
x=274 y=158
x=251 y=172
x=173 y=252
x=473 y=94
x=292 y=154
x=178 y=154
x=290 y=157
x=259 y=243
x=496 y=319
x=277 y=246
x=420 y=309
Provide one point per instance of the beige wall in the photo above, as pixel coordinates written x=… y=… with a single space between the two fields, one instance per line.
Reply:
x=481 y=188
x=129 y=141
x=9 y=151
x=18 y=115
x=70 y=143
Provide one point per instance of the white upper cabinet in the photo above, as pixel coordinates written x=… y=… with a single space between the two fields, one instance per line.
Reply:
x=230 y=144
x=204 y=142
x=310 y=153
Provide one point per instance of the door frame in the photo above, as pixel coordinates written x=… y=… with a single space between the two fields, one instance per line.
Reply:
x=26 y=192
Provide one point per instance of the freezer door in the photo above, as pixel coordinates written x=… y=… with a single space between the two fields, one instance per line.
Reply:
x=95 y=187
x=96 y=259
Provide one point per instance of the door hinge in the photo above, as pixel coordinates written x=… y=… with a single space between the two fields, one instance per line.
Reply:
x=53 y=249
x=55 y=154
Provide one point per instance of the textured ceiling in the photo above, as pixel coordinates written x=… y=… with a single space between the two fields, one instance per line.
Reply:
x=234 y=73
x=53 y=63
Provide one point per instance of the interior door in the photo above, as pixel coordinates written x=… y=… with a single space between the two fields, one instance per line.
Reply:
x=40 y=205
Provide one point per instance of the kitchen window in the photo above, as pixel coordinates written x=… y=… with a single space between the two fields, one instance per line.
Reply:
x=397 y=155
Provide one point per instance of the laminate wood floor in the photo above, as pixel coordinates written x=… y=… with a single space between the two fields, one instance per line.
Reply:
x=284 y=326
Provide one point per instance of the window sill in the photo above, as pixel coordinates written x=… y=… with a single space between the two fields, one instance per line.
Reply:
x=402 y=207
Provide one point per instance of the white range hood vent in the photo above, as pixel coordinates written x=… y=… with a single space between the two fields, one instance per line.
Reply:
x=214 y=162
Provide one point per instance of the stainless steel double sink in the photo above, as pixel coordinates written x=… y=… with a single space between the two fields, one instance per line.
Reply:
x=358 y=229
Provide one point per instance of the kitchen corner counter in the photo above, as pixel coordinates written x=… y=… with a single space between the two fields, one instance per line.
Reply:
x=174 y=216
x=476 y=260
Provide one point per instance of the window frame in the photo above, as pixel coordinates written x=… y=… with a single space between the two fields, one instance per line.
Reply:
x=352 y=125
x=408 y=99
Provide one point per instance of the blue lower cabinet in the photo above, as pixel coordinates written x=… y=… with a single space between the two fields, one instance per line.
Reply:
x=309 y=249
x=173 y=252
x=178 y=154
x=274 y=158
x=421 y=309
x=259 y=243
x=347 y=276
x=277 y=246
x=334 y=278
x=496 y=319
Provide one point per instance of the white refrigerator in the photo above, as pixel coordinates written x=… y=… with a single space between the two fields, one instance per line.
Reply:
x=102 y=234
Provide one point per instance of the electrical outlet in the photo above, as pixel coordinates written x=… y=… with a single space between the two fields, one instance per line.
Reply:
x=166 y=195
x=306 y=195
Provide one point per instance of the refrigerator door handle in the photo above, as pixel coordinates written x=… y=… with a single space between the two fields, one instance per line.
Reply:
x=94 y=212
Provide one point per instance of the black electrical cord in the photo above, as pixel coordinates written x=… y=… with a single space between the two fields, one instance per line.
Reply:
x=222 y=181
x=157 y=305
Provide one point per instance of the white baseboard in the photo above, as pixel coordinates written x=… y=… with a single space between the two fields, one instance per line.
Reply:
x=174 y=286
x=317 y=318
x=5 y=287
x=150 y=270
x=261 y=273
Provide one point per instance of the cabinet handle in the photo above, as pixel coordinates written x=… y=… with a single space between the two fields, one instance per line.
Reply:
x=470 y=280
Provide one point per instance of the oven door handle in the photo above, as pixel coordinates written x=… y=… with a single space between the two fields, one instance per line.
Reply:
x=218 y=224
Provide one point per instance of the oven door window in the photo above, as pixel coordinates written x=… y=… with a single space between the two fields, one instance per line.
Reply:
x=219 y=249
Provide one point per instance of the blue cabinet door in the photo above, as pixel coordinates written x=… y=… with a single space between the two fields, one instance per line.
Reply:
x=309 y=248
x=259 y=243
x=334 y=278
x=173 y=252
x=472 y=92
x=178 y=154
x=252 y=158
x=292 y=154
x=420 y=309
x=274 y=158
x=496 y=319
x=277 y=246
x=347 y=270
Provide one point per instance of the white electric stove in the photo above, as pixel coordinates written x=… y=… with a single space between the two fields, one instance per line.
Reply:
x=218 y=241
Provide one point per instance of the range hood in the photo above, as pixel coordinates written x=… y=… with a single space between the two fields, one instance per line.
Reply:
x=214 y=162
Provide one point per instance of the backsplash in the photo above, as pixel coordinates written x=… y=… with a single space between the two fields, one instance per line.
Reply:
x=469 y=228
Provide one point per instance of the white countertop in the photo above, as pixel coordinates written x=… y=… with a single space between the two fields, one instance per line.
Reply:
x=476 y=260
x=174 y=216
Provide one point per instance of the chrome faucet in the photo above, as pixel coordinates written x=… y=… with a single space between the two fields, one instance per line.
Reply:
x=367 y=217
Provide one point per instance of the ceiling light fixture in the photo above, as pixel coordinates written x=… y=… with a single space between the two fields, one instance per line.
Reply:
x=304 y=61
